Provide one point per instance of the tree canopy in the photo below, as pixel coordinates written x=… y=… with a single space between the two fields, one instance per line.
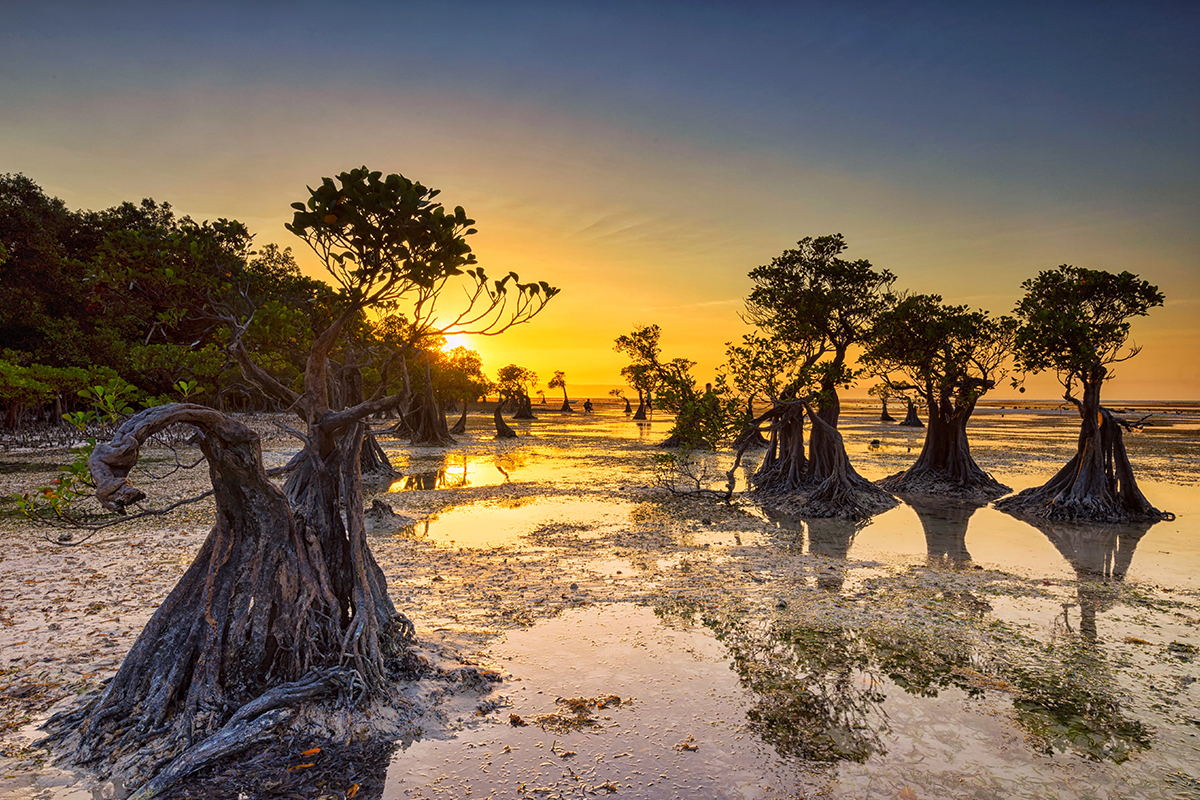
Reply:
x=1076 y=321
x=821 y=304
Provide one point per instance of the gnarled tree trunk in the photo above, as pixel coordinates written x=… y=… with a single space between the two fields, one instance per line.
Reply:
x=824 y=484
x=374 y=462
x=838 y=490
x=945 y=466
x=460 y=427
x=1097 y=484
x=503 y=431
x=911 y=420
x=427 y=420
x=278 y=609
x=524 y=406
x=784 y=467
x=641 y=409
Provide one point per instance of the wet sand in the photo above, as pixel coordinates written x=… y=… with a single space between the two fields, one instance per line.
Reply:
x=940 y=650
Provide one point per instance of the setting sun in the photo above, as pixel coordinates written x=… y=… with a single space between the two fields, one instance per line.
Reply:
x=456 y=340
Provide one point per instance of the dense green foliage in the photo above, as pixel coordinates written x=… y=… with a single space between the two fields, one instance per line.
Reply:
x=703 y=417
x=950 y=355
x=1075 y=320
x=137 y=292
x=820 y=305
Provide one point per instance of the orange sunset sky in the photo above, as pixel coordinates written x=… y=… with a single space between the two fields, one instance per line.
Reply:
x=645 y=157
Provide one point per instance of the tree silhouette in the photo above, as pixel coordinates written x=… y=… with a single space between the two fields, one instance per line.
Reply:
x=884 y=392
x=284 y=607
x=951 y=356
x=1075 y=321
x=559 y=381
x=513 y=384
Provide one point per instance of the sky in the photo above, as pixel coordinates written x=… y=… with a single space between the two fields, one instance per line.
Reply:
x=643 y=157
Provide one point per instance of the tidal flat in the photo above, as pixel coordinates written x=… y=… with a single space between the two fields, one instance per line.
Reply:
x=653 y=645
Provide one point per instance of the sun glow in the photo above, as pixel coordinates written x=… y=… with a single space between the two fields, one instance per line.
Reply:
x=454 y=340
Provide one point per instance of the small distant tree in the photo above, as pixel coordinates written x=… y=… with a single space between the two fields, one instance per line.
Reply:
x=642 y=348
x=620 y=395
x=703 y=418
x=951 y=356
x=641 y=379
x=513 y=383
x=823 y=305
x=1076 y=322
x=458 y=374
x=559 y=381
x=884 y=392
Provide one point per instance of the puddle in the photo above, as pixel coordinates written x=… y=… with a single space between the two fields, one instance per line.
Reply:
x=744 y=706
x=677 y=693
x=533 y=520
x=938 y=651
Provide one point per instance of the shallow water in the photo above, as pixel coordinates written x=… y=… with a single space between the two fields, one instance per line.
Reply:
x=939 y=650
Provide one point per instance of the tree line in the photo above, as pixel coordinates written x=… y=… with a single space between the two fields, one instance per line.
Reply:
x=148 y=303
x=812 y=308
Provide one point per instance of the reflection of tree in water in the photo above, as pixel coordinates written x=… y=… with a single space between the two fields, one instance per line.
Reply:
x=1100 y=556
x=945 y=525
x=817 y=700
x=432 y=479
x=827 y=536
x=508 y=462
x=1070 y=697
x=831 y=537
x=821 y=691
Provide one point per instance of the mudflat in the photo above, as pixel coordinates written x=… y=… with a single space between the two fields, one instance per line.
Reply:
x=939 y=649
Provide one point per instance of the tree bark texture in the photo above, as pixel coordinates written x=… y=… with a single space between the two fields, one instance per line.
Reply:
x=945 y=466
x=1097 y=484
x=274 y=601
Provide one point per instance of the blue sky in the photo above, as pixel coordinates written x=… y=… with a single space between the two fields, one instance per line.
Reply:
x=646 y=156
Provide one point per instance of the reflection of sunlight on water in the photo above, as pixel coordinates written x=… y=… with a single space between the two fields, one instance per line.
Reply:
x=677 y=683
x=456 y=471
x=774 y=710
x=507 y=524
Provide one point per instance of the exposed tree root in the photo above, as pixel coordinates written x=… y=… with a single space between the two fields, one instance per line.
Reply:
x=376 y=467
x=1096 y=485
x=253 y=722
x=822 y=485
x=524 y=408
x=929 y=483
x=503 y=431
x=283 y=595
